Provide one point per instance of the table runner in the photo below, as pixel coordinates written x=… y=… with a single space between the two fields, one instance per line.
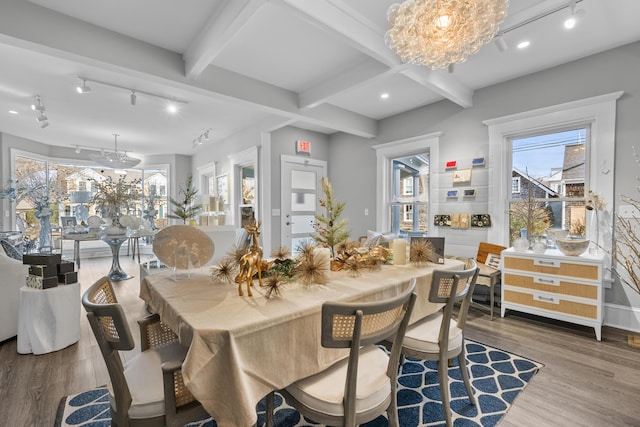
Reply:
x=241 y=348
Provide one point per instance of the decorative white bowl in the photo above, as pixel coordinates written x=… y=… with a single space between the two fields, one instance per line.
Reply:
x=555 y=233
x=572 y=247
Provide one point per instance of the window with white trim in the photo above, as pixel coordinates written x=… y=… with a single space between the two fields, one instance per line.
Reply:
x=596 y=113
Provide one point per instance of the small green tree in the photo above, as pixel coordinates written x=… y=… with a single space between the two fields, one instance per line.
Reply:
x=329 y=230
x=186 y=208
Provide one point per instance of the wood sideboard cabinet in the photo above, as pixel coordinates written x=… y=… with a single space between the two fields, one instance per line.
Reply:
x=553 y=285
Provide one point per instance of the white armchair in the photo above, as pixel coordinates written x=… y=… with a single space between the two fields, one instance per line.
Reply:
x=12 y=278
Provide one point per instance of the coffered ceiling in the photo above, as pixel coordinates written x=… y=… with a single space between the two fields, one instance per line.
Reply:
x=319 y=65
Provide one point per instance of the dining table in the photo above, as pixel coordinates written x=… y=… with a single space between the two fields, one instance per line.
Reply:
x=242 y=348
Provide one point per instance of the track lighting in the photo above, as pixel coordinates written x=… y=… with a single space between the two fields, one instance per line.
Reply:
x=84 y=88
x=204 y=136
x=501 y=43
x=39 y=107
x=133 y=94
x=77 y=149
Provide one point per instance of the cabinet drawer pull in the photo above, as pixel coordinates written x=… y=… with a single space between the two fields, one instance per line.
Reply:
x=547 y=299
x=546 y=281
x=547 y=262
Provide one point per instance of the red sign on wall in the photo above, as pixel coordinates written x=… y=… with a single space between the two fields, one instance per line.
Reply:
x=303 y=146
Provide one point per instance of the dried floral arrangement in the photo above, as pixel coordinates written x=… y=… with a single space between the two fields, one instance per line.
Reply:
x=421 y=252
x=626 y=251
x=116 y=198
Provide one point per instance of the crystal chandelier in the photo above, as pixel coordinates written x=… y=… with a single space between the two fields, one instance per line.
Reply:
x=115 y=159
x=437 y=33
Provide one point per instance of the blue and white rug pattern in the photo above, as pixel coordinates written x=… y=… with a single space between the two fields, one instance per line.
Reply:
x=497 y=378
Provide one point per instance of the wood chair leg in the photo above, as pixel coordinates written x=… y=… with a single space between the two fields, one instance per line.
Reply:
x=443 y=376
x=270 y=409
x=464 y=372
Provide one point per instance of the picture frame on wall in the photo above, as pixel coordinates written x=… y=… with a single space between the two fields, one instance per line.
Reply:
x=222 y=184
x=462 y=176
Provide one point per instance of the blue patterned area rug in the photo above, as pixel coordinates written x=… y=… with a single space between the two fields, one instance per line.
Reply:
x=497 y=376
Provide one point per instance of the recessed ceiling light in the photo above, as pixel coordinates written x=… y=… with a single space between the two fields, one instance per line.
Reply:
x=171 y=107
x=523 y=44
x=384 y=96
x=13 y=112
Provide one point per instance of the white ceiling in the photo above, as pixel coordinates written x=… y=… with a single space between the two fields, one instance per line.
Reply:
x=319 y=64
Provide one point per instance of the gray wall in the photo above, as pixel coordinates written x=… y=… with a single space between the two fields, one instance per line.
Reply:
x=352 y=172
x=465 y=136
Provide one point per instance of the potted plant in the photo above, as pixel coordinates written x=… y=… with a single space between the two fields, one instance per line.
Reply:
x=186 y=209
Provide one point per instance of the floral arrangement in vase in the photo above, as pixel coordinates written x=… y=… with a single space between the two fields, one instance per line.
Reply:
x=40 y=194
x=115 y=198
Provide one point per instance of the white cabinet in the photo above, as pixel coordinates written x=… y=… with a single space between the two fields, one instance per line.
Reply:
x=554 y=285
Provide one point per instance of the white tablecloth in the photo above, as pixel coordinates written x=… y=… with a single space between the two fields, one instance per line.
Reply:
x=48 y=319
x=243 y=347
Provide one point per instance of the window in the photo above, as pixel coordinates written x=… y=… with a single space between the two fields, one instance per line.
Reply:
x=410 y=182
x=597 y=115
x=407 y=213
x=550 y=171
x=515 y=185
x=399 y=162
x=407 y=186
x=68 y=175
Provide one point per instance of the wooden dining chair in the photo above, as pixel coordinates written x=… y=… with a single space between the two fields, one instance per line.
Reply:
x=361 y=387
x=489 y=276
x=148 y=389
x=441 y=336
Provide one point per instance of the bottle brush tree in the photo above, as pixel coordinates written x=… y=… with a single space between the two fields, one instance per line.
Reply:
x=330 y=230
x=186 y=208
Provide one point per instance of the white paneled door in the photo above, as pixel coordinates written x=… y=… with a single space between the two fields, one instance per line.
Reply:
x=300 y=193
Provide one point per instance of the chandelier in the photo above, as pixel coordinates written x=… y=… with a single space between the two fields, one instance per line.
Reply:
x=115 y=159
x=437 y=33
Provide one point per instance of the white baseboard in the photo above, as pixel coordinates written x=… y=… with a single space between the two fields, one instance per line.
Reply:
x=622 y=317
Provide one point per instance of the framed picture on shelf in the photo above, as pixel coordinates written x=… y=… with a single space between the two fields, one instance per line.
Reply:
x=223 y=187
x=452 y=193
x=462 y=176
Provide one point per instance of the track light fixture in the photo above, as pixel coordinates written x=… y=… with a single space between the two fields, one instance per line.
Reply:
x=502 y=45
x=39 y=107
x=204 y=136
x=133 y=93
x=77 y=149
x=84 y=88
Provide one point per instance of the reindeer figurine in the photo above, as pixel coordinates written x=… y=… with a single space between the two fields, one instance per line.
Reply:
x=251 y=262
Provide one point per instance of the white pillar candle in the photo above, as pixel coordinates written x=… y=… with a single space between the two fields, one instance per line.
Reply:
x=322 y=256
x=399 y=251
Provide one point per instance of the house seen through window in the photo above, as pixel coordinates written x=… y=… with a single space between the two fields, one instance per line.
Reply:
x=410 y=188
x=548 y=180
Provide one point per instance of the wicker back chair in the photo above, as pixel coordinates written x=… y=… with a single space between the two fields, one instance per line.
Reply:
x=369 y=374
x=441 y=336
x=148 y=389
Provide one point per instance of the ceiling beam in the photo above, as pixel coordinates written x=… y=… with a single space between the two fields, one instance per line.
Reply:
x=339 y=19
x=61 y=36
x=219 y=30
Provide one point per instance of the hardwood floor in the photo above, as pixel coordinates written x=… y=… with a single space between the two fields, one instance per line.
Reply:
x=583 y=383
